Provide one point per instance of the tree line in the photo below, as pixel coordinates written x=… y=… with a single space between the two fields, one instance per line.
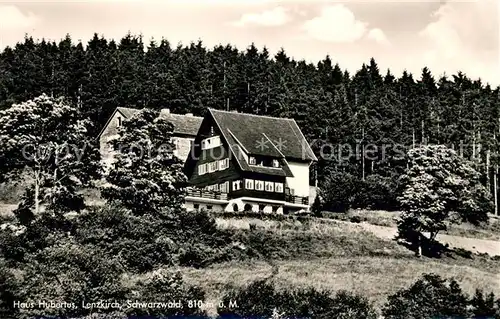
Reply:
x=336 y=110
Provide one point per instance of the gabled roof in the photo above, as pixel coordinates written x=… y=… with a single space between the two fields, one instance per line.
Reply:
x=127 y=112
x=183 y=124
x=264 y=135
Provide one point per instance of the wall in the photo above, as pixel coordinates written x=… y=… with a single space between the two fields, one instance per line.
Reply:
x=182 y=146
x=207 y=156
x=313 y=191
x=110 y=132
x=189 y=206
x=300 y=180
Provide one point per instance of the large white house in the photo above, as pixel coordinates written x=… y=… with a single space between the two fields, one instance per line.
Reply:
x=244 y=162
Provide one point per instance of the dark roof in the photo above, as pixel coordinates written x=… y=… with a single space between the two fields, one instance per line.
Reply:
x=264 y=135
x=183 y=124
x=127 y=112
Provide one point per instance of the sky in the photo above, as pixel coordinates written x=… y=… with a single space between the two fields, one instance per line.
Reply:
x=445 y=36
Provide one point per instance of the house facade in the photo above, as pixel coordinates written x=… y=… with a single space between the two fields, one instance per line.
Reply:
x=185 y=129
x=242 y=162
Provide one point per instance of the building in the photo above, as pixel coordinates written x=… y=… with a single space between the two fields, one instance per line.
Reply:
x=244 y=162
x=185 y=129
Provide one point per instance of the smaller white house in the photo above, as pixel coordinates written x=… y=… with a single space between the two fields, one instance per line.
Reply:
x=185 y=129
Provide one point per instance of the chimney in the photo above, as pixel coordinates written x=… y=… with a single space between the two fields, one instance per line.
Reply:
x=167 y=111
x=189 y=114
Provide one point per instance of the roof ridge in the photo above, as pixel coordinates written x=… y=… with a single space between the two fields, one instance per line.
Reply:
x=273 y=144
x=304 y=139
x=255 y=115
x=184 y=115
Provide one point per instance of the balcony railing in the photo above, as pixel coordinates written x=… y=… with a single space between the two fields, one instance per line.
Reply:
x=206 y=194
x=297 y=199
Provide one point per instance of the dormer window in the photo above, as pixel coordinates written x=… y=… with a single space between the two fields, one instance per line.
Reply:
x=252 y=160
x=276 y=163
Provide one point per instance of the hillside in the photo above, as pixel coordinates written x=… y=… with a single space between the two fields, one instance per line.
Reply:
x=334 y=255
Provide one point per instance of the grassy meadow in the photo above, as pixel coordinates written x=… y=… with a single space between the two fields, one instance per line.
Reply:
x=334 y=255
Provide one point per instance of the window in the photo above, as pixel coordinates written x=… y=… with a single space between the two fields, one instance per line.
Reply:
x=236 y=185
x=261 y=207
x=209 y=207
x=119 y=121
x=249 y=183
x=252 y=160
x=212 y=166
x=275 y=209
x=269 y=187
x=216 y=187
x=259 y=185
x=278 y=187
x=235 y=207
x=196 y=206
x=210 y=142
x=224 y=187
x=202 y=169
x=276 y=163
x=247 y=208
x=223 y=164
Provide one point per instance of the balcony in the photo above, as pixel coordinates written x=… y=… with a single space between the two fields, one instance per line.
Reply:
x=206 y=194
x=297 y=199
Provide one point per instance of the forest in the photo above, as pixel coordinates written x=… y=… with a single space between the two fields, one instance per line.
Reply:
x=370 y=108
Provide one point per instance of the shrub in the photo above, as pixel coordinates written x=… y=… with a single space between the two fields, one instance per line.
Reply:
x=147 y=241
x=338 y=191
x=379 y=192
x=262 y=299
x=162 y=286
x=355 y=219
x=8 y=292
x=484 y=307
x=429 y=297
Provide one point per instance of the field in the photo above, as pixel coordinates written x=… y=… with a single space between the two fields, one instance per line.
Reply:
x=338 y=255
x=388 y=219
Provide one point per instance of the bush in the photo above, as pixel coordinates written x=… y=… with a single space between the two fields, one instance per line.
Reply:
x=341 y=191
x=338 y=191
x=355 y=219
x=162 y=286
x=379 y=193
x=484 y=307
x=148 y=241
x=8 y=292
x=88 y=264
x=429 y=297
x=261 y=299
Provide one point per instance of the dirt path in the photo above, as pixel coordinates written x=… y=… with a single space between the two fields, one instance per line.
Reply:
x=491 y=247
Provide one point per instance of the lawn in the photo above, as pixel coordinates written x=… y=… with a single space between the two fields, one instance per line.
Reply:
x=489 y=231
x=333 y=256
